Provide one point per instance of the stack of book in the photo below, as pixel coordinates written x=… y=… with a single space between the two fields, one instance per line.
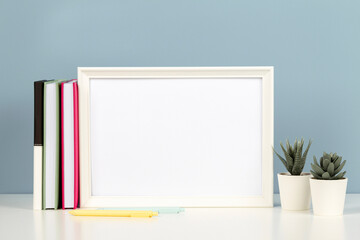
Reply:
x=56 y=144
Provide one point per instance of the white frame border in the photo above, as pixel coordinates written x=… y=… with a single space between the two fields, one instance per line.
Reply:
x=265 y=73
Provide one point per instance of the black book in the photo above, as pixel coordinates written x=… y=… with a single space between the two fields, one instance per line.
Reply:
x=38 y=112
x=38 y=142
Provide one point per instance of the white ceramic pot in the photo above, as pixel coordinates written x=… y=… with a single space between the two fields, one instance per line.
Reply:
x=328 y=196
x=294 y=191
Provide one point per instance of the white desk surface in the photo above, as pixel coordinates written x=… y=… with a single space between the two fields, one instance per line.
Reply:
x=19 y=221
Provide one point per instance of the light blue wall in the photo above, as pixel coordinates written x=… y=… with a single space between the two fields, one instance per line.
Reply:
x=313 y=45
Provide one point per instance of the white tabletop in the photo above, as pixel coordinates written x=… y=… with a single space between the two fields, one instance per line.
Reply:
x=19 y=221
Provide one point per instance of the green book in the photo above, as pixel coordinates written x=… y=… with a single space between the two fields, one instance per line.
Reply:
x=51 y=150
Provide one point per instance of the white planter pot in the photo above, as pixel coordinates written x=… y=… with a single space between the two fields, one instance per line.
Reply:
x=328 y=196
x=294 y=191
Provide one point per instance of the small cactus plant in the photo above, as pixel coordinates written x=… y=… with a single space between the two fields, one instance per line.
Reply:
x=329 y=167
x=294 y=157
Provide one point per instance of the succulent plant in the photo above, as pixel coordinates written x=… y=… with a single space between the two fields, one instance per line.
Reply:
x=294 y=160
x=329 y=167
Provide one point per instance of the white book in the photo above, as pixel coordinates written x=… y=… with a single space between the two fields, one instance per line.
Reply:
x=68 y=157
x=51 y=145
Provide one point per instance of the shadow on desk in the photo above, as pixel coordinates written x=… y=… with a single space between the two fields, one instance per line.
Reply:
x=352 y=211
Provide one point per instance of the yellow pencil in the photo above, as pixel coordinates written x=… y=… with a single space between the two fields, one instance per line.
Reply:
x=113 y=213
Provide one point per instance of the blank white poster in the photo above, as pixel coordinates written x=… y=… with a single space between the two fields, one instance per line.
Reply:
x=176 y=137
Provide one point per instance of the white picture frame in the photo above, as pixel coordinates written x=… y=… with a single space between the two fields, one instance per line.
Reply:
x=265 y=74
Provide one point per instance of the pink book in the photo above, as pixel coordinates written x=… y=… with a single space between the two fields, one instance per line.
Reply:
x=76 y=145
x=69 y=144
x=62 y=142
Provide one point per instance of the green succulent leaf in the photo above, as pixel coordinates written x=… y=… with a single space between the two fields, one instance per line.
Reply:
x=298 y=163
x=326 y=163
x=315 y=161
x=325 y=175
x=317 y=169
x=337 y=162
x=282 y=160
x=306 y=151
x=289 y=159
x=315 y=174
x=337 y=170
x=289 y=148
x=321 y=161
x=330 y=169
x=339 y=176
x=295 y=145
x=326 y=156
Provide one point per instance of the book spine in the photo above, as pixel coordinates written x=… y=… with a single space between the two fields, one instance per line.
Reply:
x=38 y=143
x=62 y=144
x=76 y=145
x=43 y=197
x=57 y=149
x=38 y=112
